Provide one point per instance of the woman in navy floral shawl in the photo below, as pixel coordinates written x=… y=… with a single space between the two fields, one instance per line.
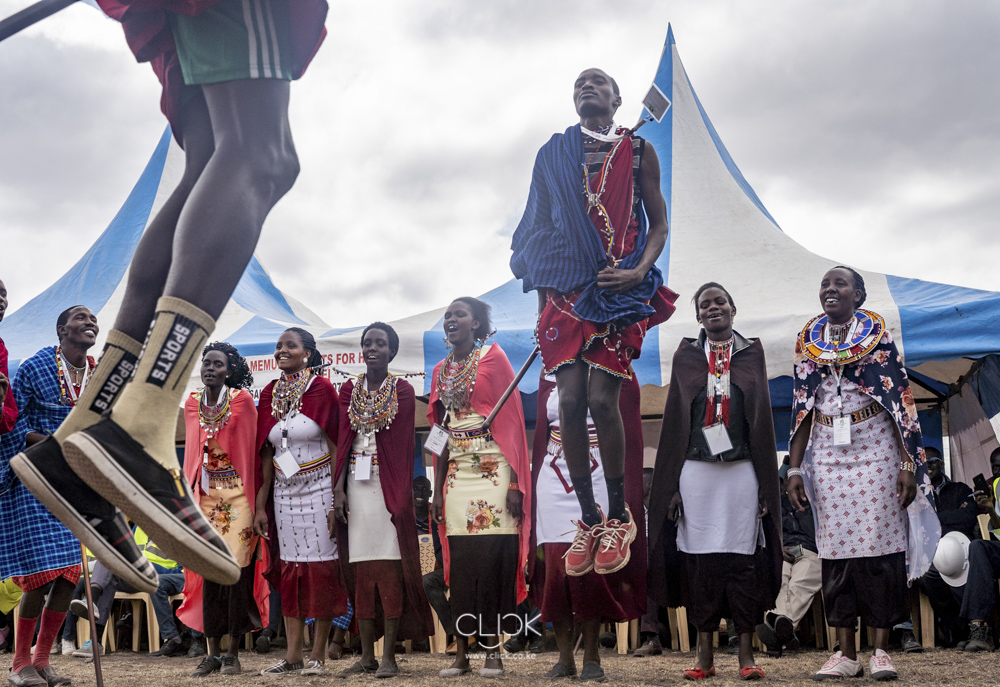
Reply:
x=860 y=461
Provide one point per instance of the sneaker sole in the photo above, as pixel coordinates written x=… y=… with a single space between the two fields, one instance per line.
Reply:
x=105 y=476
x=820 y=677
x=579 y=573
x=80 y=527
x=883 y=675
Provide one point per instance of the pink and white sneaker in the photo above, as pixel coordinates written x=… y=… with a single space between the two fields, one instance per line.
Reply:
x=880 y=666
x=613 y=550
x=580 y=556
x=838 y=666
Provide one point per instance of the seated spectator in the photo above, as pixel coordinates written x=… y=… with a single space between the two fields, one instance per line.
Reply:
x=103 y=586
x=956 y=509
x=801 y=574
x=979 y=595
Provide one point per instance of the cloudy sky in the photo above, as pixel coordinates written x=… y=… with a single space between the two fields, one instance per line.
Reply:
x=869 y=130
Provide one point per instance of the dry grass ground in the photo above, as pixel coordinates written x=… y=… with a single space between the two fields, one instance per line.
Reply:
x=939 y=667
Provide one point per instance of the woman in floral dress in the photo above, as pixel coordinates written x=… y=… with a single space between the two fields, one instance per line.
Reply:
x=480 y=495
x=221 y=424
x=856 y=454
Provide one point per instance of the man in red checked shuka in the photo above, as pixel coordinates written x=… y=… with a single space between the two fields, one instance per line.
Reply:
x=225 y=67
x=583 y=245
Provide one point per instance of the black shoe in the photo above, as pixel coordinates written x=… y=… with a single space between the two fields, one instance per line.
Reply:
x=197 y=648
x=514 y=645
x=784 y=628
x=537 y=646
x=733 y=647
x=910 y=643
x=172 y=647
x=980 y=638
x=559 y=670
x=765 y=633
x=263 y=643
x=95 y=522
x=157 y=499
x=208 y=665
x=78 y=607
x=231 y=665
x=592 y=671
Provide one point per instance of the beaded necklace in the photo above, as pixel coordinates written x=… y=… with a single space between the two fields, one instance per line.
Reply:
x=213 y=418
x=594 y=197
x=720 y=355
x=372 y=412
x=457 y=379
x=286 y=397
x=68 y=394
x=838 y=345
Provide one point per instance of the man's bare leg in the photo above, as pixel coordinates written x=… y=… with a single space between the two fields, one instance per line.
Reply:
x=572 y=381
x=252 y=165
x=605 y=390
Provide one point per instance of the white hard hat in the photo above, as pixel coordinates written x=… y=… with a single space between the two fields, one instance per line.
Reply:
x=952 y=558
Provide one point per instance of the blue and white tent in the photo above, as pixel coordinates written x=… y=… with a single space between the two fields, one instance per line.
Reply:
x=257 y=313
x=719 y=231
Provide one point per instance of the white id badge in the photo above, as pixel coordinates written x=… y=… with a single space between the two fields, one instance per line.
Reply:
x=436 y=440
x=286 y=461
x=717 y=438
x=204 y=480
x=842 y=431
x=362 y=468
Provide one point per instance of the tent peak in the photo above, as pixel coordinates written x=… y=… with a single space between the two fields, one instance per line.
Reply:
x=670 y=35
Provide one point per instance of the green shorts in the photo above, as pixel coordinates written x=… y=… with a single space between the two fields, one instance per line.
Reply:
x=235 y=39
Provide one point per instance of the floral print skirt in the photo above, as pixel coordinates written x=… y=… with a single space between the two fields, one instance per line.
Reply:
x=475 y=496
x=227 y=508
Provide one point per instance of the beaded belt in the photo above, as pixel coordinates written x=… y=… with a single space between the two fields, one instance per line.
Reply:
x=354 y=459
x=556 y=442
x=312 y=466
x=227 y=478
x=465 y=439
x=869 y=411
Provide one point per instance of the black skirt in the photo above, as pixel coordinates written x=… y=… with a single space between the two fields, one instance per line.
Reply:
x=231 y=609
x=722 y=585
x=483 y=583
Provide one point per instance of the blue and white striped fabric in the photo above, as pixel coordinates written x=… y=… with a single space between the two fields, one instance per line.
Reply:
x=556 y=247
x=34 y=540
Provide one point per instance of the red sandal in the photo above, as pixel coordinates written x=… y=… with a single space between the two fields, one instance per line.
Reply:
x=698 y=673
x=752 y=673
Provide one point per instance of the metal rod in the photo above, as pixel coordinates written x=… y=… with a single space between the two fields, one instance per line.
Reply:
x=95 y=641
x=513 y=385
x=31 y=15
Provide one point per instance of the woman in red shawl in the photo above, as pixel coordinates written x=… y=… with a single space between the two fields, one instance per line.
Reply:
x=296 y=439
x=221 y=425
x=483 y=485
x=374 y=504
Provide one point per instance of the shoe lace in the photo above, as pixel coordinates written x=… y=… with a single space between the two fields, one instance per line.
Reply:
x=610 y=537
x=881 y=660
x=580 y=544
x=227 y=660
x=833 y=661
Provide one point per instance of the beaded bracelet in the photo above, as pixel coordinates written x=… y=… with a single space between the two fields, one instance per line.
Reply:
x=908 y=466
x=513 y=486
x=793 y=472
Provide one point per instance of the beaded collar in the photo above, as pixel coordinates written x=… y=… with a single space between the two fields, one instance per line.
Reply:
x=457 y=379
x=372 y=411
x=286 y=397
x=827 y=344
x=68 y=393
x=213 y=418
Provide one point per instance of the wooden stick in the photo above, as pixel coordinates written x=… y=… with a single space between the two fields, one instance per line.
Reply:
x=31 y=15
x=95 y=641
x=510 y=389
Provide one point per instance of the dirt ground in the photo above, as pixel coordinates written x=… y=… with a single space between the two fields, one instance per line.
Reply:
x=938 y=667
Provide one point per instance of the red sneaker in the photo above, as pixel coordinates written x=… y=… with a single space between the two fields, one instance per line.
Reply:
x=580 y=557
x=613 y=550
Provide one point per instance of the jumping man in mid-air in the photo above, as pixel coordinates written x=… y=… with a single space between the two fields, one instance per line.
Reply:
x=584 y=246
x=225 y=67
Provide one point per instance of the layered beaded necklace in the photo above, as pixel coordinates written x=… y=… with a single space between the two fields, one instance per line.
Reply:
x=841 y=344
x=372 y=411
x=68 y=394
x=213 y=418
x=286 y=397
x=720 y=354
x=457 y=379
